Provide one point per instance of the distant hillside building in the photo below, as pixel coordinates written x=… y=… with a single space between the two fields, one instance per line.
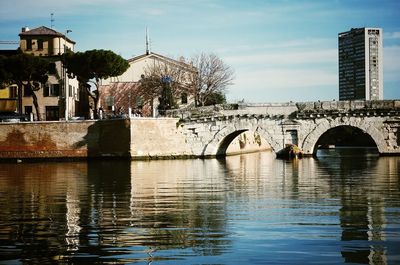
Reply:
x=361 y=64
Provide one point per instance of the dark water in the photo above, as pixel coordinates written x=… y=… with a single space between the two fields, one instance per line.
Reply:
x=343 y=207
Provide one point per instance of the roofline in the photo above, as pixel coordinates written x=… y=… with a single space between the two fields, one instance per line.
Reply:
x=56 y=34
x=183 y=64
x=364 y=28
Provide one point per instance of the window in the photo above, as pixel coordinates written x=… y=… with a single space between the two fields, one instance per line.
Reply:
x=27 y=91
x=40 y=44
x=70 y=91
x=29 y=44
x=13 y=91
x=28 y=109
x=51 y=90
x=52 y=113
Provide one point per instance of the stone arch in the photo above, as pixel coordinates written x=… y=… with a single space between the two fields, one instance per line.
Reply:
x=310 y=141
x=219 y=142
x=226 y=141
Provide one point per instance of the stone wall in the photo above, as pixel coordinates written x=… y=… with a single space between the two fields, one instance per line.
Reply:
x=158 y=138
x=138 y=138
x=78 y=139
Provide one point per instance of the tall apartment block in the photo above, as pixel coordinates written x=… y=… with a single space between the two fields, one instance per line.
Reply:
x=361 y=64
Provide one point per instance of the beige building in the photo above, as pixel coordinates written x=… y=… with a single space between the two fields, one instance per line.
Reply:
x=49 y=43
x=120 y=93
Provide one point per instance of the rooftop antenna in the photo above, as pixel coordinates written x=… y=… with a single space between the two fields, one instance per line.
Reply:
x=147 y=42
x=52 y=20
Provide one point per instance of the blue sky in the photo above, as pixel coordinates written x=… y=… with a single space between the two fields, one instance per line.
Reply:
x=280 y=50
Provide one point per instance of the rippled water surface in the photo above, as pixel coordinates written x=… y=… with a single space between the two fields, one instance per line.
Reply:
x=343 y=207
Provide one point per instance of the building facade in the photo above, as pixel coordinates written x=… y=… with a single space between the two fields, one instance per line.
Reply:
x=52 y=96
x=120 y=93
x=361 y=64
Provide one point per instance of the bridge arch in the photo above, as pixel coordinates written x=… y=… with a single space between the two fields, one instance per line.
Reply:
x=309 y=145
x=221 y=140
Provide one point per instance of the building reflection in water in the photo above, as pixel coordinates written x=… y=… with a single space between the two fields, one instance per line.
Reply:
x=40 y=209
x=164 y=204
x=179 y=204
x=73 y=213
x=125 y=211
x=362 y=213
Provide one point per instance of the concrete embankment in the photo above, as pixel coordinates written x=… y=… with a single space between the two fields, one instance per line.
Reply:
x=134 y=139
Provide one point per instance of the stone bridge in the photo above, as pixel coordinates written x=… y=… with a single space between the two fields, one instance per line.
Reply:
x=210 y=130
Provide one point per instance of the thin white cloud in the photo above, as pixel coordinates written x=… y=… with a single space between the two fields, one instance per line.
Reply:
x=293 y=43
x=392 y=35
x=391 y=63
x=154 y=11
x=288 y=58
x=280 y=78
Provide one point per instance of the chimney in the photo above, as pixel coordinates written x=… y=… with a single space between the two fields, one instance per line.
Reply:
x=24 y=29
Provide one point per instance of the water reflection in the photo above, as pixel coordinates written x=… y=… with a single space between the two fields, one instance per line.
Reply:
x=362 y=214
x=243 y=209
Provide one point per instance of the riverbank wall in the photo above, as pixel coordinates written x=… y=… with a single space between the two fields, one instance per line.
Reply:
x=141 y=138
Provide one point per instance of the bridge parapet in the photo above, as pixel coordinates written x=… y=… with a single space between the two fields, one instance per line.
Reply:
x=348 y=108
x=293 y=110
x=349 y=105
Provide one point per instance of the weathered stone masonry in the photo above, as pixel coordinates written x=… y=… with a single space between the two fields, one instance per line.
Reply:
x=299 y=123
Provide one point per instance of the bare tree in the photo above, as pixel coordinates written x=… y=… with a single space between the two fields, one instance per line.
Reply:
x=212 y=77
x=166 y=81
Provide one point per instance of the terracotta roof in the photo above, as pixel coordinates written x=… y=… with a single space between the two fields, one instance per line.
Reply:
x=44 y=31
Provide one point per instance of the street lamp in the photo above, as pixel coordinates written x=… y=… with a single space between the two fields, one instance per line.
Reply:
x=65 y=77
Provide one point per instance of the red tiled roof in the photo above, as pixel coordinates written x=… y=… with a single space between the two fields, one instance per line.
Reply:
x=44 y=31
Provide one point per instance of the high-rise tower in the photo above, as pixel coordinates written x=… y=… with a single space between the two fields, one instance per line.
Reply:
x=361 y=64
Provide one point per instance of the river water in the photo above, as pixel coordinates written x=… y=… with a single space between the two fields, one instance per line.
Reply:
x=342 y=207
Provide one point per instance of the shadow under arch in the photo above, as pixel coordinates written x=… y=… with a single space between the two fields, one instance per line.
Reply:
x=344 y=135
x=226 y=141
x=309 y=146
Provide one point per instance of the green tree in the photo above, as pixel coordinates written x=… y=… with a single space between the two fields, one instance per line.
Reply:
x=91 y=66
x=217 y=97
x=29 y=71
x=166 y=98
x=5 y=75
